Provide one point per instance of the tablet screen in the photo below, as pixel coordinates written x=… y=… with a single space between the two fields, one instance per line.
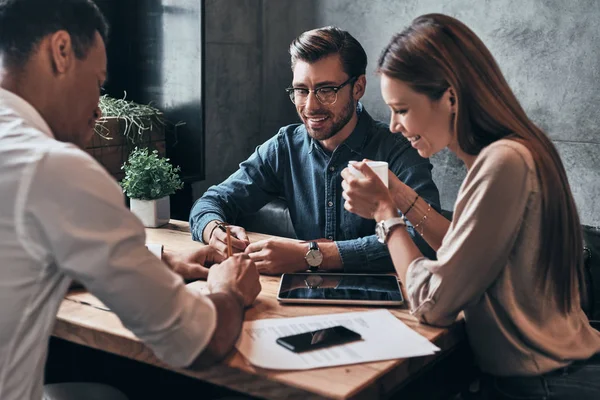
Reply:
x=382 y=289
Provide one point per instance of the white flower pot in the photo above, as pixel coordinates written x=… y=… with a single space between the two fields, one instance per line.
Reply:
x=152 y=213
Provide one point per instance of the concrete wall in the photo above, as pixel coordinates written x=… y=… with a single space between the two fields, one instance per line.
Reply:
x=546 y=48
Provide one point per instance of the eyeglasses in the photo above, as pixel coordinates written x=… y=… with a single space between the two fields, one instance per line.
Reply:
x=327 y=95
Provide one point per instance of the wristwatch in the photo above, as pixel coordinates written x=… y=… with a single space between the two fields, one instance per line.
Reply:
x=383 y=228
x=313 y=257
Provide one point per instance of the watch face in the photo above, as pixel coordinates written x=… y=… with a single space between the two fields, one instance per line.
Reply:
x=314 y=258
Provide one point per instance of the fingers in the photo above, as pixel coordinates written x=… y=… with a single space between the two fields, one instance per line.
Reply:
x=169 y=257
x=262 y=250
x=265 y=268
x=206 y=256
x=191 y=271
x=350 y=180
x=259 y=253
x=364 y=168
x=218 y=241
x=240 y=233
x=247 y=282
x=236 y=244
x=345 y=186
x=357 y=204
x=256 y=287
x=262 y=258
x=219 y=246
x=238 y=258
x=188 y=270
x=347 y=175
x=352 y=189
x=255 y=247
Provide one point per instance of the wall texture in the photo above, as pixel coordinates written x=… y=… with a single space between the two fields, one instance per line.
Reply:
x=546 y=48
x=233 y=60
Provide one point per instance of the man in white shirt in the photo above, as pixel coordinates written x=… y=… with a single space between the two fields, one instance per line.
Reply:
x=62 y=217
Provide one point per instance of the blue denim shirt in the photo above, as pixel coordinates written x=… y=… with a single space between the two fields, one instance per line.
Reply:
x=295 y=167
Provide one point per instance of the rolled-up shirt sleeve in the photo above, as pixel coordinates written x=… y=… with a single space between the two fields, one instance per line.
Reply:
x=78 y=211
x=477 y=247
x=254 y=184
x=364 y=253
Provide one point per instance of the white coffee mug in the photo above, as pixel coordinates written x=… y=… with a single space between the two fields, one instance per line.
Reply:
x=379 y=167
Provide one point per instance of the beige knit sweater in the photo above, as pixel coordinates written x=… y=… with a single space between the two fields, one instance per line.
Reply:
x=486 y=267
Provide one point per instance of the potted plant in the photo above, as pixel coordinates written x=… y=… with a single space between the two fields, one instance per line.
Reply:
x=149 y=181
x=123 y=126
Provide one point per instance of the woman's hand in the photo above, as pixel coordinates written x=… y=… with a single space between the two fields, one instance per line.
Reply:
x=368 y=196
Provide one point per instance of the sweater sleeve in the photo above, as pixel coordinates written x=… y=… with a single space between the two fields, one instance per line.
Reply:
x=487 y=217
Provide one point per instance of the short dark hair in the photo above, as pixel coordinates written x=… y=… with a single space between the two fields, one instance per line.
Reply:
x=313 y=45
x=24 y=23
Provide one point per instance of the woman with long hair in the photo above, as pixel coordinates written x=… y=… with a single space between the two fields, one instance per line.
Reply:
x=511 y=258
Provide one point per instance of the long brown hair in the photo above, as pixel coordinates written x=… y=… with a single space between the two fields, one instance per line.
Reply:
x=437 y=52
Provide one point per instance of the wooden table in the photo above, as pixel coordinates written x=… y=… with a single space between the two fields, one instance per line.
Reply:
x=96 y=328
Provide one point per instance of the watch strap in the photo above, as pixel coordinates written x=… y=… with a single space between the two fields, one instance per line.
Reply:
x=387 y=226
x=390 y=223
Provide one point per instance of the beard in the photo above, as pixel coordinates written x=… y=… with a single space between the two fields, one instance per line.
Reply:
x=337 y=122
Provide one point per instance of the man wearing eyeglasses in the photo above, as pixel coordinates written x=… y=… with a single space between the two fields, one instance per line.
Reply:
x=302 y=164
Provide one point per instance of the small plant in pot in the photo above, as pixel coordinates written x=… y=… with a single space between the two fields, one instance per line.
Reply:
x=149 y=181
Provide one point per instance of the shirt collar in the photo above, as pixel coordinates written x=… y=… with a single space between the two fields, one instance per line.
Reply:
x=20 y=106
x=356 y=141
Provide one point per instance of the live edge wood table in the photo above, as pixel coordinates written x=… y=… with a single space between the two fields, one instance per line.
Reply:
x=99 y=329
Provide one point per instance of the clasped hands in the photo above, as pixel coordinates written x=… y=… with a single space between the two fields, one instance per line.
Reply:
x=272 y=256
x=367 y=197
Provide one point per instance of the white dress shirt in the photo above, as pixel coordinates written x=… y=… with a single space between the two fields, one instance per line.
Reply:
x=63 y=217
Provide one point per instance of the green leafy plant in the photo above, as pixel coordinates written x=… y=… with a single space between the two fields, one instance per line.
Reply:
x=148 y=176
x=138 y=118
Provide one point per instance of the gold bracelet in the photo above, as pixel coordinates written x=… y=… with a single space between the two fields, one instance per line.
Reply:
x=422 y=221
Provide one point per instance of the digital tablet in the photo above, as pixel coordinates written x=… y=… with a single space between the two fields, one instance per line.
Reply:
x=353 y=289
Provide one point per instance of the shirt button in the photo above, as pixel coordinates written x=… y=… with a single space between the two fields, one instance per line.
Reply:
x=330 y=204
x=332 y=169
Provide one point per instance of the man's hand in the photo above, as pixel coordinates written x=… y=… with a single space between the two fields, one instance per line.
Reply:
x=239 y=240
x=277 y=255
x=236 y=275
x=193 y=265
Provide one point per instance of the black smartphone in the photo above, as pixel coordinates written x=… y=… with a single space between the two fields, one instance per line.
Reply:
x=318 y=339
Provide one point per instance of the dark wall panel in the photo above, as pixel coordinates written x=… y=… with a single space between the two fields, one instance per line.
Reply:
x=155 y=55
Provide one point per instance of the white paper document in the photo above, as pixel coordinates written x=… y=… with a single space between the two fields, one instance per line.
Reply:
x=384 y=337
